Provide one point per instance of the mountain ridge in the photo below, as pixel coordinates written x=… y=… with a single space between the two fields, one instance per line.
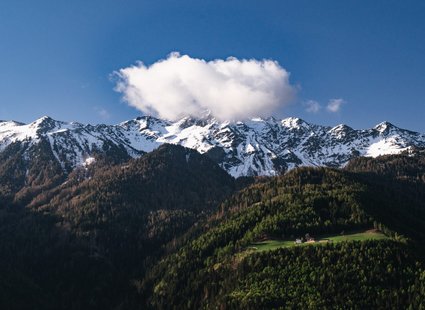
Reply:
x=254 y=147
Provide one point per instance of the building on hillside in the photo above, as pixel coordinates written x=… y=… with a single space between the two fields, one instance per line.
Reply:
x=309 y=238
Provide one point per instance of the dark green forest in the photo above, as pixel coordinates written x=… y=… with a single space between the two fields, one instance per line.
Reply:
x=172 y=230
x=217 y=269
x=79 y=243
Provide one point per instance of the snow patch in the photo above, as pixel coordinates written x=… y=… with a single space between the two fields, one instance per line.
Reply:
x=384 y=147
x=89 y=161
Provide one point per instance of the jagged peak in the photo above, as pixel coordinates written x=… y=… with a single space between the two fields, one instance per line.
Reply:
x=284 y=142
x=46 y=124
x=384 y=126
x=202 y=121
x=43 y=119
x=143 y=122
x=341 y=127
x=76 y=124
x=340 y=131
x=147 y=118
x=294 y=122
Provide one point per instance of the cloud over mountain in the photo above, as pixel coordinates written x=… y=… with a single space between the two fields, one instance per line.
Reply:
x=312 y=106
x=230 y=89
x=334 y=105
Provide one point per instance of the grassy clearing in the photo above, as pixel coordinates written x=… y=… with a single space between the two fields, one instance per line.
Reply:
x=275 y=244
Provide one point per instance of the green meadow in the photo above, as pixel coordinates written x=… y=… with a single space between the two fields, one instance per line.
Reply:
x=275 y=244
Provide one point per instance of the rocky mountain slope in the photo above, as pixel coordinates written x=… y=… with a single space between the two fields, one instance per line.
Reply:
x=254 y=147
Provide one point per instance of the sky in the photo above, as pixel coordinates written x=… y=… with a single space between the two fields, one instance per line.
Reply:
x=327 y=62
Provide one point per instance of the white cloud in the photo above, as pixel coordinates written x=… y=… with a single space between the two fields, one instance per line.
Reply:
x=103 y=114
x=334 y=105
x=230 y=89
x=312 y=106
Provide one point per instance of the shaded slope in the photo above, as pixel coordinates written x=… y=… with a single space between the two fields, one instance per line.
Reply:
x=130 y=211
x=21 y=179
x=89 y=237
x=396 y=187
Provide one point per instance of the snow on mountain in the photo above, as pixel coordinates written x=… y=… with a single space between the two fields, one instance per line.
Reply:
x=254 y=147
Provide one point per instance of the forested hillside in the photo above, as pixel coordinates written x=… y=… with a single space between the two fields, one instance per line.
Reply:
x=79 y=244
x=409 y=165
x=396 y=186
x=127 y=212
x=20 y=180
x=173 y=230
x=221 y=268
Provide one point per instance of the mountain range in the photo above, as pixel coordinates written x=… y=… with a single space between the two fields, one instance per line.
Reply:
x=254 y=147
x=132 y=216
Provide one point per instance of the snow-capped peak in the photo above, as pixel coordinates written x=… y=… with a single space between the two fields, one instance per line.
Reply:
x=254 y=147
x=43 y=118
x=293 y=122
x=384 y=126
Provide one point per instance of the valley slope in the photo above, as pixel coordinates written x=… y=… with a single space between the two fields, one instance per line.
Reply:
x=79 y=243
x=220 y=267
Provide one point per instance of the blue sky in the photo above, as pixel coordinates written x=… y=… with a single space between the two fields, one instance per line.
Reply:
x=56 y=57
